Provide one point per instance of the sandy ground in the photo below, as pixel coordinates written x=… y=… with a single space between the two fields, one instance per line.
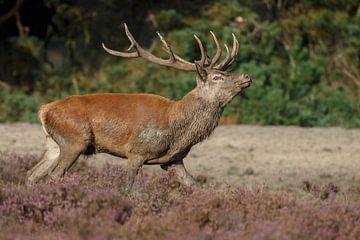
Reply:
x=282 y=158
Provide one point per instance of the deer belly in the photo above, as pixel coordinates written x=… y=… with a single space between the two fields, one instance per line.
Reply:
x=153 y=142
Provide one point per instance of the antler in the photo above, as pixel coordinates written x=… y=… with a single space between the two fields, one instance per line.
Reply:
x=230 y=58
x=174 y=60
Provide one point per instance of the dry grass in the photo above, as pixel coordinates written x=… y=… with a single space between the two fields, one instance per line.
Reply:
x=89 y=204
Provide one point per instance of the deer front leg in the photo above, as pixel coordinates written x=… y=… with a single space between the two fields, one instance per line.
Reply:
x=132 y=168
x=181 y=173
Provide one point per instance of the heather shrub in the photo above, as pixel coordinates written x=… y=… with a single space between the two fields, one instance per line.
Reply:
x=89 y=204
x=13 y=167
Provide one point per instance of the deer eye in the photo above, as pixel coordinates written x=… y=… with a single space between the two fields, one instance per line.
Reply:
x=218 y=78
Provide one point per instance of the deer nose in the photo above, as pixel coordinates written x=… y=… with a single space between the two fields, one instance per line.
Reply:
x=248 y=77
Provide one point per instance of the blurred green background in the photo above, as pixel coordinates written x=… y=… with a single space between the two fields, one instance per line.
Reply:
x=304 y=55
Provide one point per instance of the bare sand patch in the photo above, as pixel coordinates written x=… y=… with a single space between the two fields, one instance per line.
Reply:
x=282 y=158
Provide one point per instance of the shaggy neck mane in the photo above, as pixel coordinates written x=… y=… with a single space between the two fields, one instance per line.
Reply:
x=193 y=119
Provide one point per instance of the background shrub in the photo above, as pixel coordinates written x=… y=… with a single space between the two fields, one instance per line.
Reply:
x=304 y=56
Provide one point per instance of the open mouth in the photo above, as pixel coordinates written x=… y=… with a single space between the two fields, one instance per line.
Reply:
x=247 y=84
x=243 y=86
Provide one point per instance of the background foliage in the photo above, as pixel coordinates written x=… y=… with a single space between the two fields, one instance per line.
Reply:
x=304 y=55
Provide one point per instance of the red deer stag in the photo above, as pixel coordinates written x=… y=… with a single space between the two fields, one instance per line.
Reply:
x=144 y=128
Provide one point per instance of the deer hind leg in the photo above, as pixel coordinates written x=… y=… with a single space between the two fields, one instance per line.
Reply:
x=69 y=153
x=181 y=173
x=49 y=158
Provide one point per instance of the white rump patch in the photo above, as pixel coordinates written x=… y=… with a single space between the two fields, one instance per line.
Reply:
x=52 y=148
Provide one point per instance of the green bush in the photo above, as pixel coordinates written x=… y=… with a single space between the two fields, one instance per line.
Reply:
x=304 y=57
x=18 y=107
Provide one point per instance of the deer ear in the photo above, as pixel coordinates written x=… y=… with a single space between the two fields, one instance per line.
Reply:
x=201 y=72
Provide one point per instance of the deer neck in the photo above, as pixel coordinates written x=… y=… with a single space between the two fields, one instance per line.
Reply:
x=193 y=118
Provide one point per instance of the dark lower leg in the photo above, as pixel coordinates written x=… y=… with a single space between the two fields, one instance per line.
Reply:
x=181 y=173
x=132 y=168
x=41 y=169
x=42 y=160
x=38 y=171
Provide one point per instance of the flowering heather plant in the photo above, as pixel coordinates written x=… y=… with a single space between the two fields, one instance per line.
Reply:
x=89 y=204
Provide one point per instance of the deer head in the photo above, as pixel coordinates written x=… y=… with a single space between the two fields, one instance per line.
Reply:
x=214 y=83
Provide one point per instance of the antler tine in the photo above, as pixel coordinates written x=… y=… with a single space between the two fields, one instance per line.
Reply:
x=226 y=59
x=120 y=54
x=218 y=50
x=124 y=54
x=131 y=39
x=203 y=59
x=230 y=58
x=227 y=50
x=235 y=50
x=177 y=58
x=167 y=47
